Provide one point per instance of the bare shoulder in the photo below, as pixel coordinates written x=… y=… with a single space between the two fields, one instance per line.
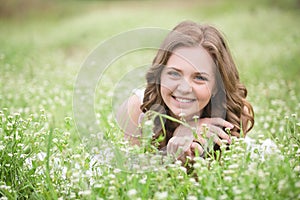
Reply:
x=128 y=115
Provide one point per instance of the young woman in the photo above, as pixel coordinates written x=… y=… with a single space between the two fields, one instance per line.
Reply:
x=192 y=78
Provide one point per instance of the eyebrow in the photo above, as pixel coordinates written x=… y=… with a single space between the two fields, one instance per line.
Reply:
x=176 y=69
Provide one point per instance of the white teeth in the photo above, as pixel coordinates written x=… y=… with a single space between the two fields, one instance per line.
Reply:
x=184 y=100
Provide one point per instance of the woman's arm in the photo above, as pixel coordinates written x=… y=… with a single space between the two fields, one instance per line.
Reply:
x=128 y=119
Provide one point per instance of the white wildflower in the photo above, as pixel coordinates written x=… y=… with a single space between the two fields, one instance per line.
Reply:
x=28 y=162
x=67 y=134
x=161 y=195
x=116 y=171
x=98 y=185
x=182 y=114
x=131 y=192
x=227 y=130
x=228 y=171
x=197 y=166
x=281 y=184
x=178 y=162
x=192 y=197
x=228 y=178
x=64 y=172
x=224 y=196
x=199 y=159
x=192 y=180
x=196 y=117
x=148 y=123
x=85 y=193
x=236 y=190
x=233 y=166
x=111 y=176
x=17 y=115
x=20 y=145
x=143 y=180
x=183 y=169
x=76 y=156
x=41 y=156
x=297 y=168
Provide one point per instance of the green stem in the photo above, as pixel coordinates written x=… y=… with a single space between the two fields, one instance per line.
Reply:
x=48 y=178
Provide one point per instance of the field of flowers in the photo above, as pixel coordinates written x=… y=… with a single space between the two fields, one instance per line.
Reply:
x=46 y=154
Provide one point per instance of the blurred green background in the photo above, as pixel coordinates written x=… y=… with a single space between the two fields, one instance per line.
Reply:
x=44 y=43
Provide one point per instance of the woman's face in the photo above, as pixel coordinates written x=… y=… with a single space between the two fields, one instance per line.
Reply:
x=188 y=81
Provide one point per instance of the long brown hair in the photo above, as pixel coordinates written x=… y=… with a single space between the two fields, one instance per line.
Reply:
x=190 y=34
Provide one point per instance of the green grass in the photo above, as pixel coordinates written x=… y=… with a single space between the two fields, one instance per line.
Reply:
x=43 y=156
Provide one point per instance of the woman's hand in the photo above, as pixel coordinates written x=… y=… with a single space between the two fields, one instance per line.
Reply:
x=182 y=146
x=212 y=128
x=184 y=143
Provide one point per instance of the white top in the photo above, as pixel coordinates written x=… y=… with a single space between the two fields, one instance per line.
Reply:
x=139 y=93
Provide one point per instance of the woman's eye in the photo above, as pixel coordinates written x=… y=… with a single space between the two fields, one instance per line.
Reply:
x=201 y=78
x=174 y=74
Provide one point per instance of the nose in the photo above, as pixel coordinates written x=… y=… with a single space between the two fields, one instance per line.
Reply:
x=184 y=87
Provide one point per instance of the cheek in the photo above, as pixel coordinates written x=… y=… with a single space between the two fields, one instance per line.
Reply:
x=167 y=85
x=165 y=91
x=204 y=93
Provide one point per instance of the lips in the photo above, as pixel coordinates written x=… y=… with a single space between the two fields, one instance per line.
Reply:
x=183 y=100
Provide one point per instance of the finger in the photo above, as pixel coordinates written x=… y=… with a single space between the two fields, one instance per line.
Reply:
x=188 y=152
x=183 y=142
x=196 y=147
x=217 y=140
x=172 y=146
x=218 y=122
x=212 y=133
x=178 y=145
x=200 y=140
x=182 y=158
x=234 y=133
x=218 y=132
x=223 y=123
x=183 y=155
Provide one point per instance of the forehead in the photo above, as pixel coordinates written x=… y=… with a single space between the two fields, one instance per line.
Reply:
x=195 y=59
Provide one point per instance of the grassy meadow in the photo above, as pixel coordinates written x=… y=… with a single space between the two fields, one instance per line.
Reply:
x=44 y=156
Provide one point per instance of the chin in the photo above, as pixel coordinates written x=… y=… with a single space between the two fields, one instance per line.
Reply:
x=182 y=114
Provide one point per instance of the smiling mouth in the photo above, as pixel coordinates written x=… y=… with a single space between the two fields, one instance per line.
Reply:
x=183 y=100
